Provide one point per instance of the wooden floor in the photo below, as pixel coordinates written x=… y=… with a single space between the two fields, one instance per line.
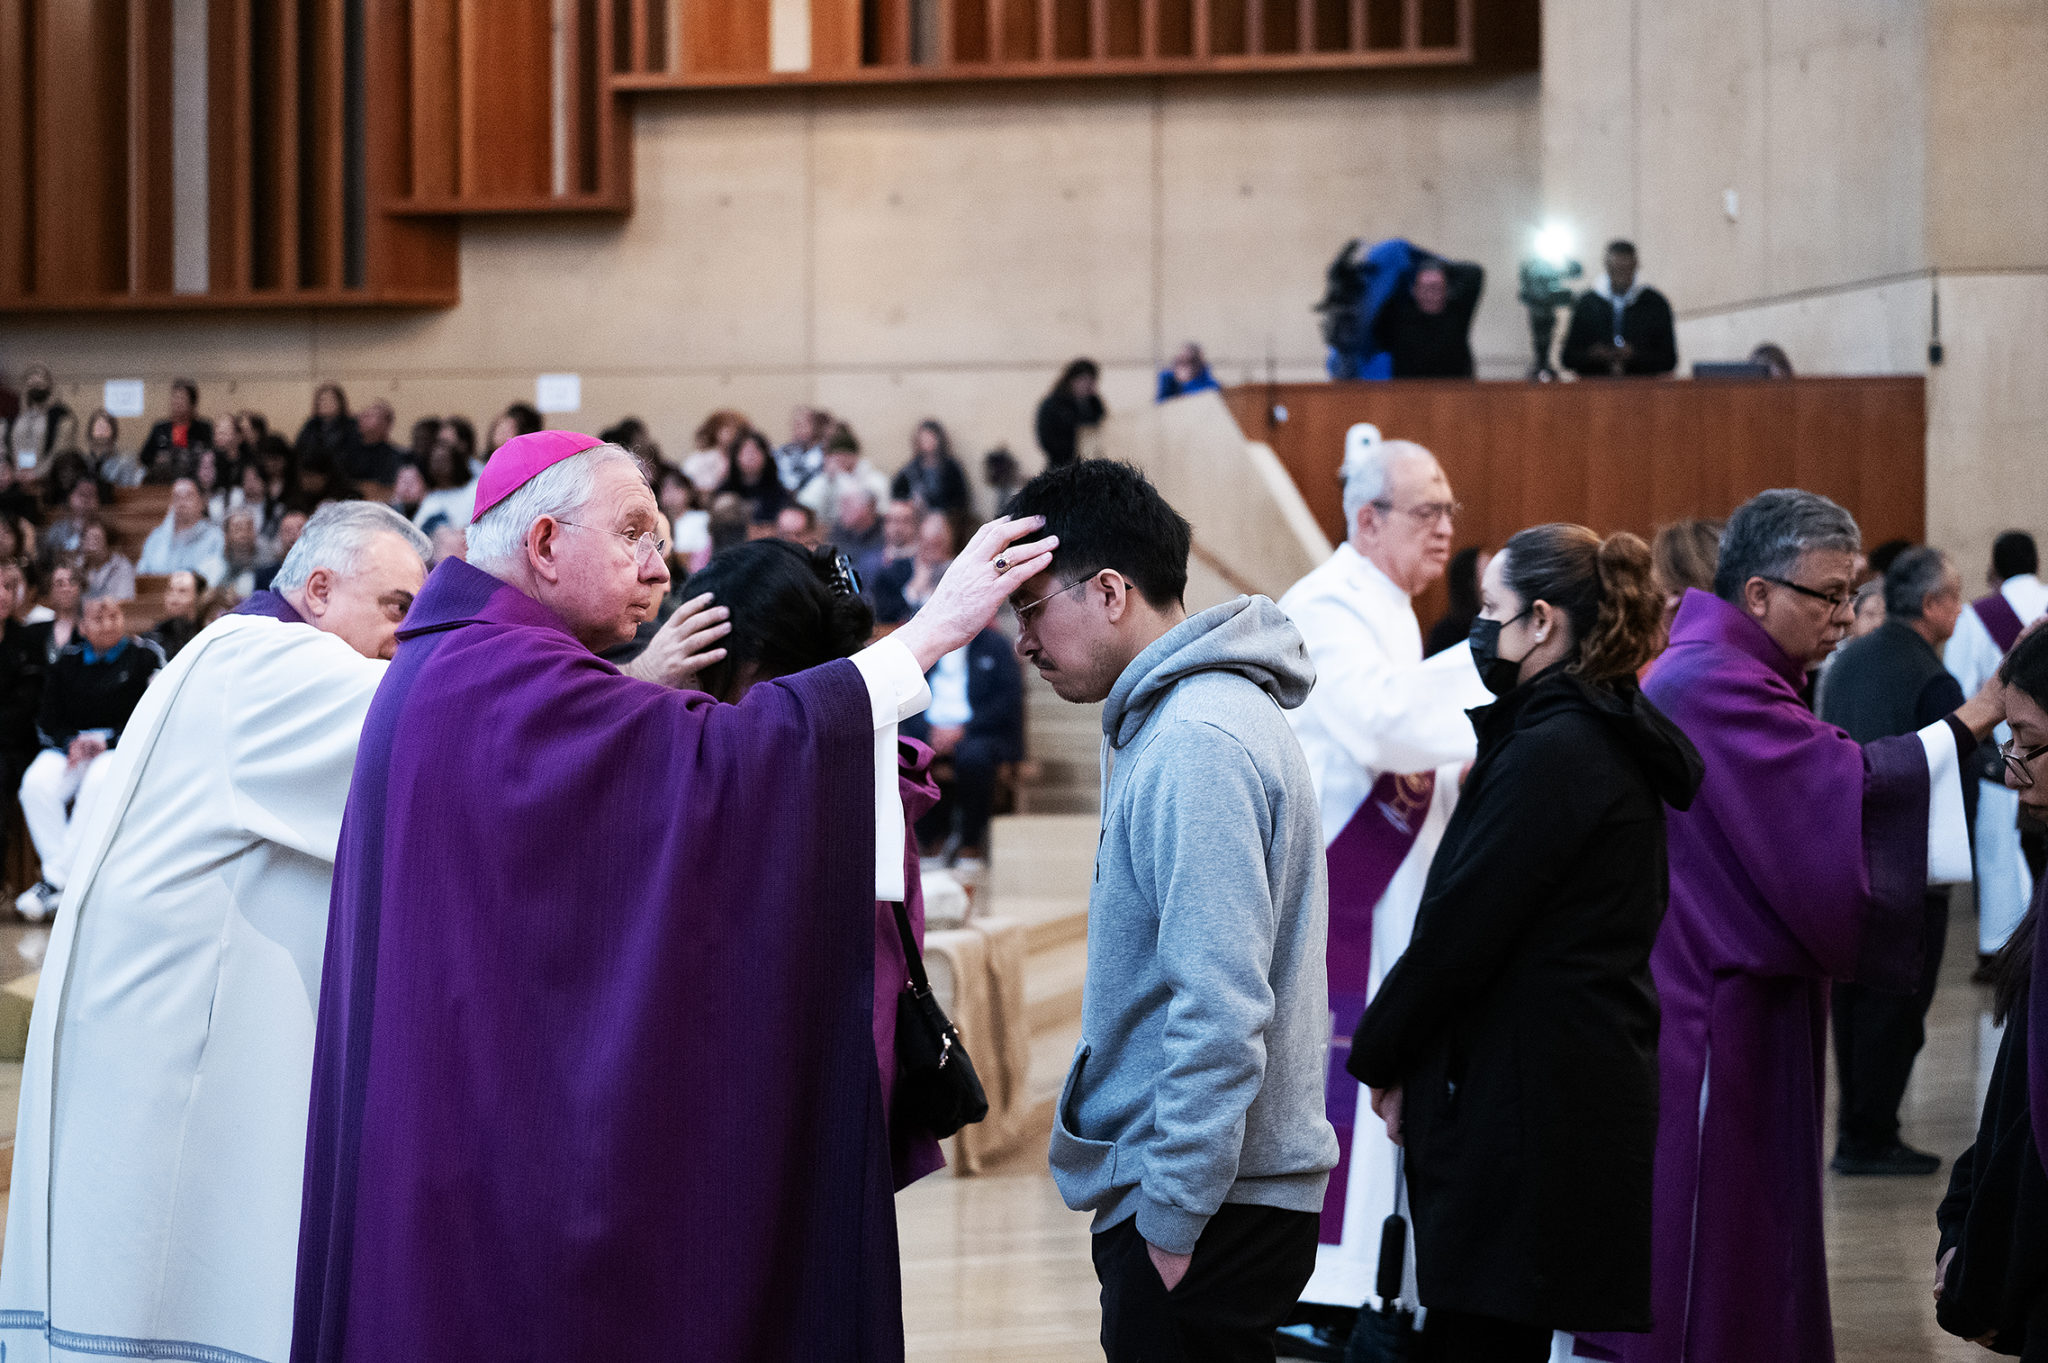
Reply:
x=994 y=1268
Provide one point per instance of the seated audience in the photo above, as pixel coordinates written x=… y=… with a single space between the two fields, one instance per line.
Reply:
x=107 y=573
x=182 y=594
x=420 y=444
x=65 y=471
x=844 y=470
x=408 y=490
x=42 y=427
x=753 y=478
x=798 y=524
x=1000 y=471
x=1073 y=406
x=186 y=539
x=903 y=585
x=799 y=460
x=710 y=463
x=18 y=497
x=252 y=494
x=1189 y=373
x=244 y=434
x=518 y=418
x=103 y=452
x=449 y=542
x=373 y=458
x=241 y=552
x=1426 y=328
x=217 y=603
x=24 y=662
x=93 y=687
x=974 y=724
x=451 y=485
x=13 y=542
x=289 y=527
x=81 y=508
x=1461 y=579
x=1620 y=325
x=62 y=609
x=319 y=483
x=167 y=453
x=214 y=489
x=689 y=533
x=730 y=522
x=933 y=478
x=857 y=529
x=330 y=431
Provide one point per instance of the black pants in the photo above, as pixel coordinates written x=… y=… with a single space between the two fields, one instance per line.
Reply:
x=966 y=800
x=1453 y=1337
x=1877 y=1035
x=1247 y=1273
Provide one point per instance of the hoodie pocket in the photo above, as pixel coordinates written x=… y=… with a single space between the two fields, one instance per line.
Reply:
x=1084 y=1169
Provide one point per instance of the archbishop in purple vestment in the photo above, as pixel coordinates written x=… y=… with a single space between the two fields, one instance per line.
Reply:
x=596 y=1075
x=1804 y=860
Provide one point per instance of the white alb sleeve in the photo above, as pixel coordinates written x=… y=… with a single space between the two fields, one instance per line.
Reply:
x=1948 y=834
x=897 y=690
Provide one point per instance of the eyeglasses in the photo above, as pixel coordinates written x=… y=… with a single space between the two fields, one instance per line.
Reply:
x=2018 y=764
x=1027 y=611
x=1424 y=513
x=1837 y=601
x=642 y=544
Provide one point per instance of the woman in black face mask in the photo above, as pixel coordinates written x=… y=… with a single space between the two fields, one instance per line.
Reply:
x=1513 y=1048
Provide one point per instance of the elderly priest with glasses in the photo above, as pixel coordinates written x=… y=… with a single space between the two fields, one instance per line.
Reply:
x=1806 y=859
x=595 y=1074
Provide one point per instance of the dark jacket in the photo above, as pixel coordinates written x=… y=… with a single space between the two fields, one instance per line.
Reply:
x=995 y=698
x=363 y=462
x=172 y=634
x=1645 y=324
x=1437 y=345
x=1060 y=419
x=1890 y=682
x=99 y=694
x=331 y=438
x=936 y=487
x=1521 y=1022
x=1996 y=1216
x=24 y=661
x=163 y=459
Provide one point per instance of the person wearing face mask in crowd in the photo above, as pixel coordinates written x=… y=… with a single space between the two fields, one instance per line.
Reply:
x=42 y=427
x=1526 y=988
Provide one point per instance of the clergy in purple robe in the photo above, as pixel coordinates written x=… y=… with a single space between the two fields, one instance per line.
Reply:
x=1805 y=859
x=594 y=1075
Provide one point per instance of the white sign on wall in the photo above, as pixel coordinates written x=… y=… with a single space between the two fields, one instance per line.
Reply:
x=558 y=393
x=123 y=397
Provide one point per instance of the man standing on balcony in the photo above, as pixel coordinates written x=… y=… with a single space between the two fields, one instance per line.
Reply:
x=1385 y=733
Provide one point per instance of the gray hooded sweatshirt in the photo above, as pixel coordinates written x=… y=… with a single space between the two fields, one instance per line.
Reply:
x=1205 y=1018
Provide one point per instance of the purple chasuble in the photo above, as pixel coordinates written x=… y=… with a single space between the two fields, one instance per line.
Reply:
x=912 y=1153
x=595 y=1075
x=1361 y=862
x=1803 y=860
x=270 y=604
x=1999 y=619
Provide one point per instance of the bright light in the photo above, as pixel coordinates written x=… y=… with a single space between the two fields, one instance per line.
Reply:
x=1554 y=243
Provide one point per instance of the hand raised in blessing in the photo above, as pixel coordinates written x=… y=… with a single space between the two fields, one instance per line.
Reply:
x=682 y=647
x=974 y=588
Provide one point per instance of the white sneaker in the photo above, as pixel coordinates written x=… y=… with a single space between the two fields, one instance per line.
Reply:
x=38 y=901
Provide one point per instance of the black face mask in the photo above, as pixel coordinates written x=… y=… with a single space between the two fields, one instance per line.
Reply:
x=1499 y=675
x=38 y=394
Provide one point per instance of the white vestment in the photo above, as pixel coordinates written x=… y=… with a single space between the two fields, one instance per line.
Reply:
x=160 y=1145
x=2005 y=883
x=1377 y=708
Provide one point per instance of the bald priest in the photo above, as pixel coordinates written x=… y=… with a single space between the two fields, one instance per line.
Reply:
x=595 y=1075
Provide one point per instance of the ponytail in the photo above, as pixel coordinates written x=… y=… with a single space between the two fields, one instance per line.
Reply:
x=1604 y=587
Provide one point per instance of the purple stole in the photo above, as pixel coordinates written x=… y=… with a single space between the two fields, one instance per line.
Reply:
x=1362 y=862
x=1999 y=619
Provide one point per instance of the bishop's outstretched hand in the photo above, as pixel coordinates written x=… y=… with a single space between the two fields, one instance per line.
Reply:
x=981 y=578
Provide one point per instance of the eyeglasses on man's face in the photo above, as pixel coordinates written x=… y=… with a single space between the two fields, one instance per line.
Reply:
x=2019 y=765
x=644 y=544
x=1423 y=513
x=1837 y=601
x=1027 y=614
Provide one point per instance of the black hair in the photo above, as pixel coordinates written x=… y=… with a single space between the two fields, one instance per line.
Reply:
x=1621 y=246
x=188 y=388
x=1074 y=370
x=2025 y=669
x=786 y=616
x=1107 y=514
x=525 y=417
x=1462 y=581
x=1885 y=555
x=2012 y=554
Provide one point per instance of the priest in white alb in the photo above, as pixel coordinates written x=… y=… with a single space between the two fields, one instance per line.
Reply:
x=1386 y=738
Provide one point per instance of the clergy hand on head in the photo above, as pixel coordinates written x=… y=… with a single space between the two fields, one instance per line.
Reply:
x=974 y=588
x=1984 y=711
x=682 y=647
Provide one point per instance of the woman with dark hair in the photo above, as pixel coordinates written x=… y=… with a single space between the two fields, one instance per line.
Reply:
x=330 y=431
x=794 y=609
x=933 y=478
x=1462 y=579
x=1683 y=557
x=709 y=464
x=103 y=451
x=246 y=432
x=755 y=479
x=451 y=477
x=520 y=418
x=1072 y=406
x=1513 y=1047
x=1991 y=1265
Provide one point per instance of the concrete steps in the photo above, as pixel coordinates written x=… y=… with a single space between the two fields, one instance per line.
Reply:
x=1039 y=872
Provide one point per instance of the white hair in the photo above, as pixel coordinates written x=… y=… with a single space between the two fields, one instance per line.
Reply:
x=497 y=539
x=337 y=537
x=1368 y=470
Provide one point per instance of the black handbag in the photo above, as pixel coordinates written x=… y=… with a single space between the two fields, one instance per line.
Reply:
x=937 y=1089
x=1388 y=1335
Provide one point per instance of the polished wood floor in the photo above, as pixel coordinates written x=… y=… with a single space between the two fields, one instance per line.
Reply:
x=995 y=1270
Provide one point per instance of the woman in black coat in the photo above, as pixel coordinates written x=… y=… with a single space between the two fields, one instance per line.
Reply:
x=1991 y=1266
x=1072 y=406
x=1513 y=1047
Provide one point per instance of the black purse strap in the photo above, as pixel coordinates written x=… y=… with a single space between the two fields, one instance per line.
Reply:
x=912 y=957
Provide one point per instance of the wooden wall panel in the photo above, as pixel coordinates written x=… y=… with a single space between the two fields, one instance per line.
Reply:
x=508 y=58
x=726 y=38
x=78 y=77
x=150 y=210
x=1623 y=455
x=17 y=211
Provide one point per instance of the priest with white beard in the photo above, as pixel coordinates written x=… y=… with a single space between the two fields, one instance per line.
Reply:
x=160 y=1148
x=1386 y=737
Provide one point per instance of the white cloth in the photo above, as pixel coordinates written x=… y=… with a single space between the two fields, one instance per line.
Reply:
x=950 y=706
x=1378 y=706
x=198 y=548
x=55 y=796
x=897 y=690
x=452 y=504
x=2005 y=883
x=824 y=489
x=160 y=1145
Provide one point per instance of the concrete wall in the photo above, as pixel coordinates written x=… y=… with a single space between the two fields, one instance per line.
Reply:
x=1869 y=143
x=900 y=254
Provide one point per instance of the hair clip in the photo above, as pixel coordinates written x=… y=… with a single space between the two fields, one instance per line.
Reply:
x=845 y=578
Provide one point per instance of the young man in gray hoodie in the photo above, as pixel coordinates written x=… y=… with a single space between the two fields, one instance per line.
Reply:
x=1192 y=1122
